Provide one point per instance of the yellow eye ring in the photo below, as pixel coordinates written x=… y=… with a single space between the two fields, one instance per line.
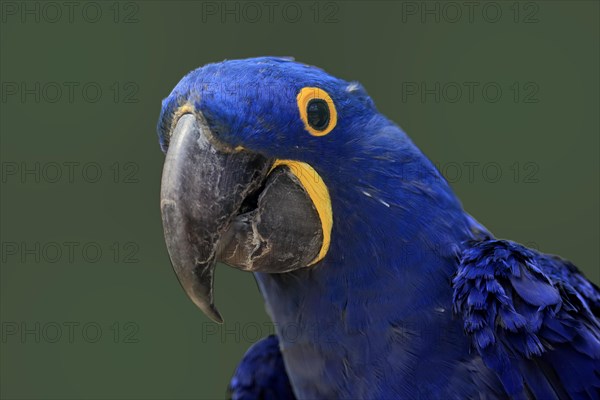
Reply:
x=321 y=118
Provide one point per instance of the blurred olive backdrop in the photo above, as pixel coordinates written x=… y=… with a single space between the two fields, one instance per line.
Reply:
x=504 y=97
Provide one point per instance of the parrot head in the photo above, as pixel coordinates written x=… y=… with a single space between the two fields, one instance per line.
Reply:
x=267 y=162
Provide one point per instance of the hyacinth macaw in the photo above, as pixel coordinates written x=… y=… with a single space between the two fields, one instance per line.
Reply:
x=379 y=284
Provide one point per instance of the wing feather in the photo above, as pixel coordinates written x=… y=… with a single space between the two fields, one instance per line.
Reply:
x=532 y=317
x=261 y=374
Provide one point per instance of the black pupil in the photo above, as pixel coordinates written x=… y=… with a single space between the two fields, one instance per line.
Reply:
x=317 y=113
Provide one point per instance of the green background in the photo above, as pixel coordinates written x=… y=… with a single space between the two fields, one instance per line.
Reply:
x=165 y=348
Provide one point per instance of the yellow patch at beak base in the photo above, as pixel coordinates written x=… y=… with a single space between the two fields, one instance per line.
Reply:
x=318 y=193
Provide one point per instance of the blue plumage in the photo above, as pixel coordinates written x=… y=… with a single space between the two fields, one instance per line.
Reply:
x=415 y=299
x=261 y=374
x=530 y=319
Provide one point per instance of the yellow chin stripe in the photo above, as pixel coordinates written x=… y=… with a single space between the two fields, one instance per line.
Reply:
x=319 y=195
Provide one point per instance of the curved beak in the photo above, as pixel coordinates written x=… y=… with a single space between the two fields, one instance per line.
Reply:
x=202 y=189
x=239 y=208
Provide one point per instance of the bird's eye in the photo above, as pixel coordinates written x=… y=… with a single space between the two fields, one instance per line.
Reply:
x=317 y=111
x=317 y=114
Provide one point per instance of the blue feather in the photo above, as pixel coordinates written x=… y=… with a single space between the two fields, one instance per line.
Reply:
x=261 y=374
x=544 y=320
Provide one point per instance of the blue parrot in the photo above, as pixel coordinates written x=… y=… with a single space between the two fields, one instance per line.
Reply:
x=379 y=285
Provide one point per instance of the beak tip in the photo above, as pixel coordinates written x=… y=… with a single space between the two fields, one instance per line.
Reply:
x=218 y=319
x=214 y=314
